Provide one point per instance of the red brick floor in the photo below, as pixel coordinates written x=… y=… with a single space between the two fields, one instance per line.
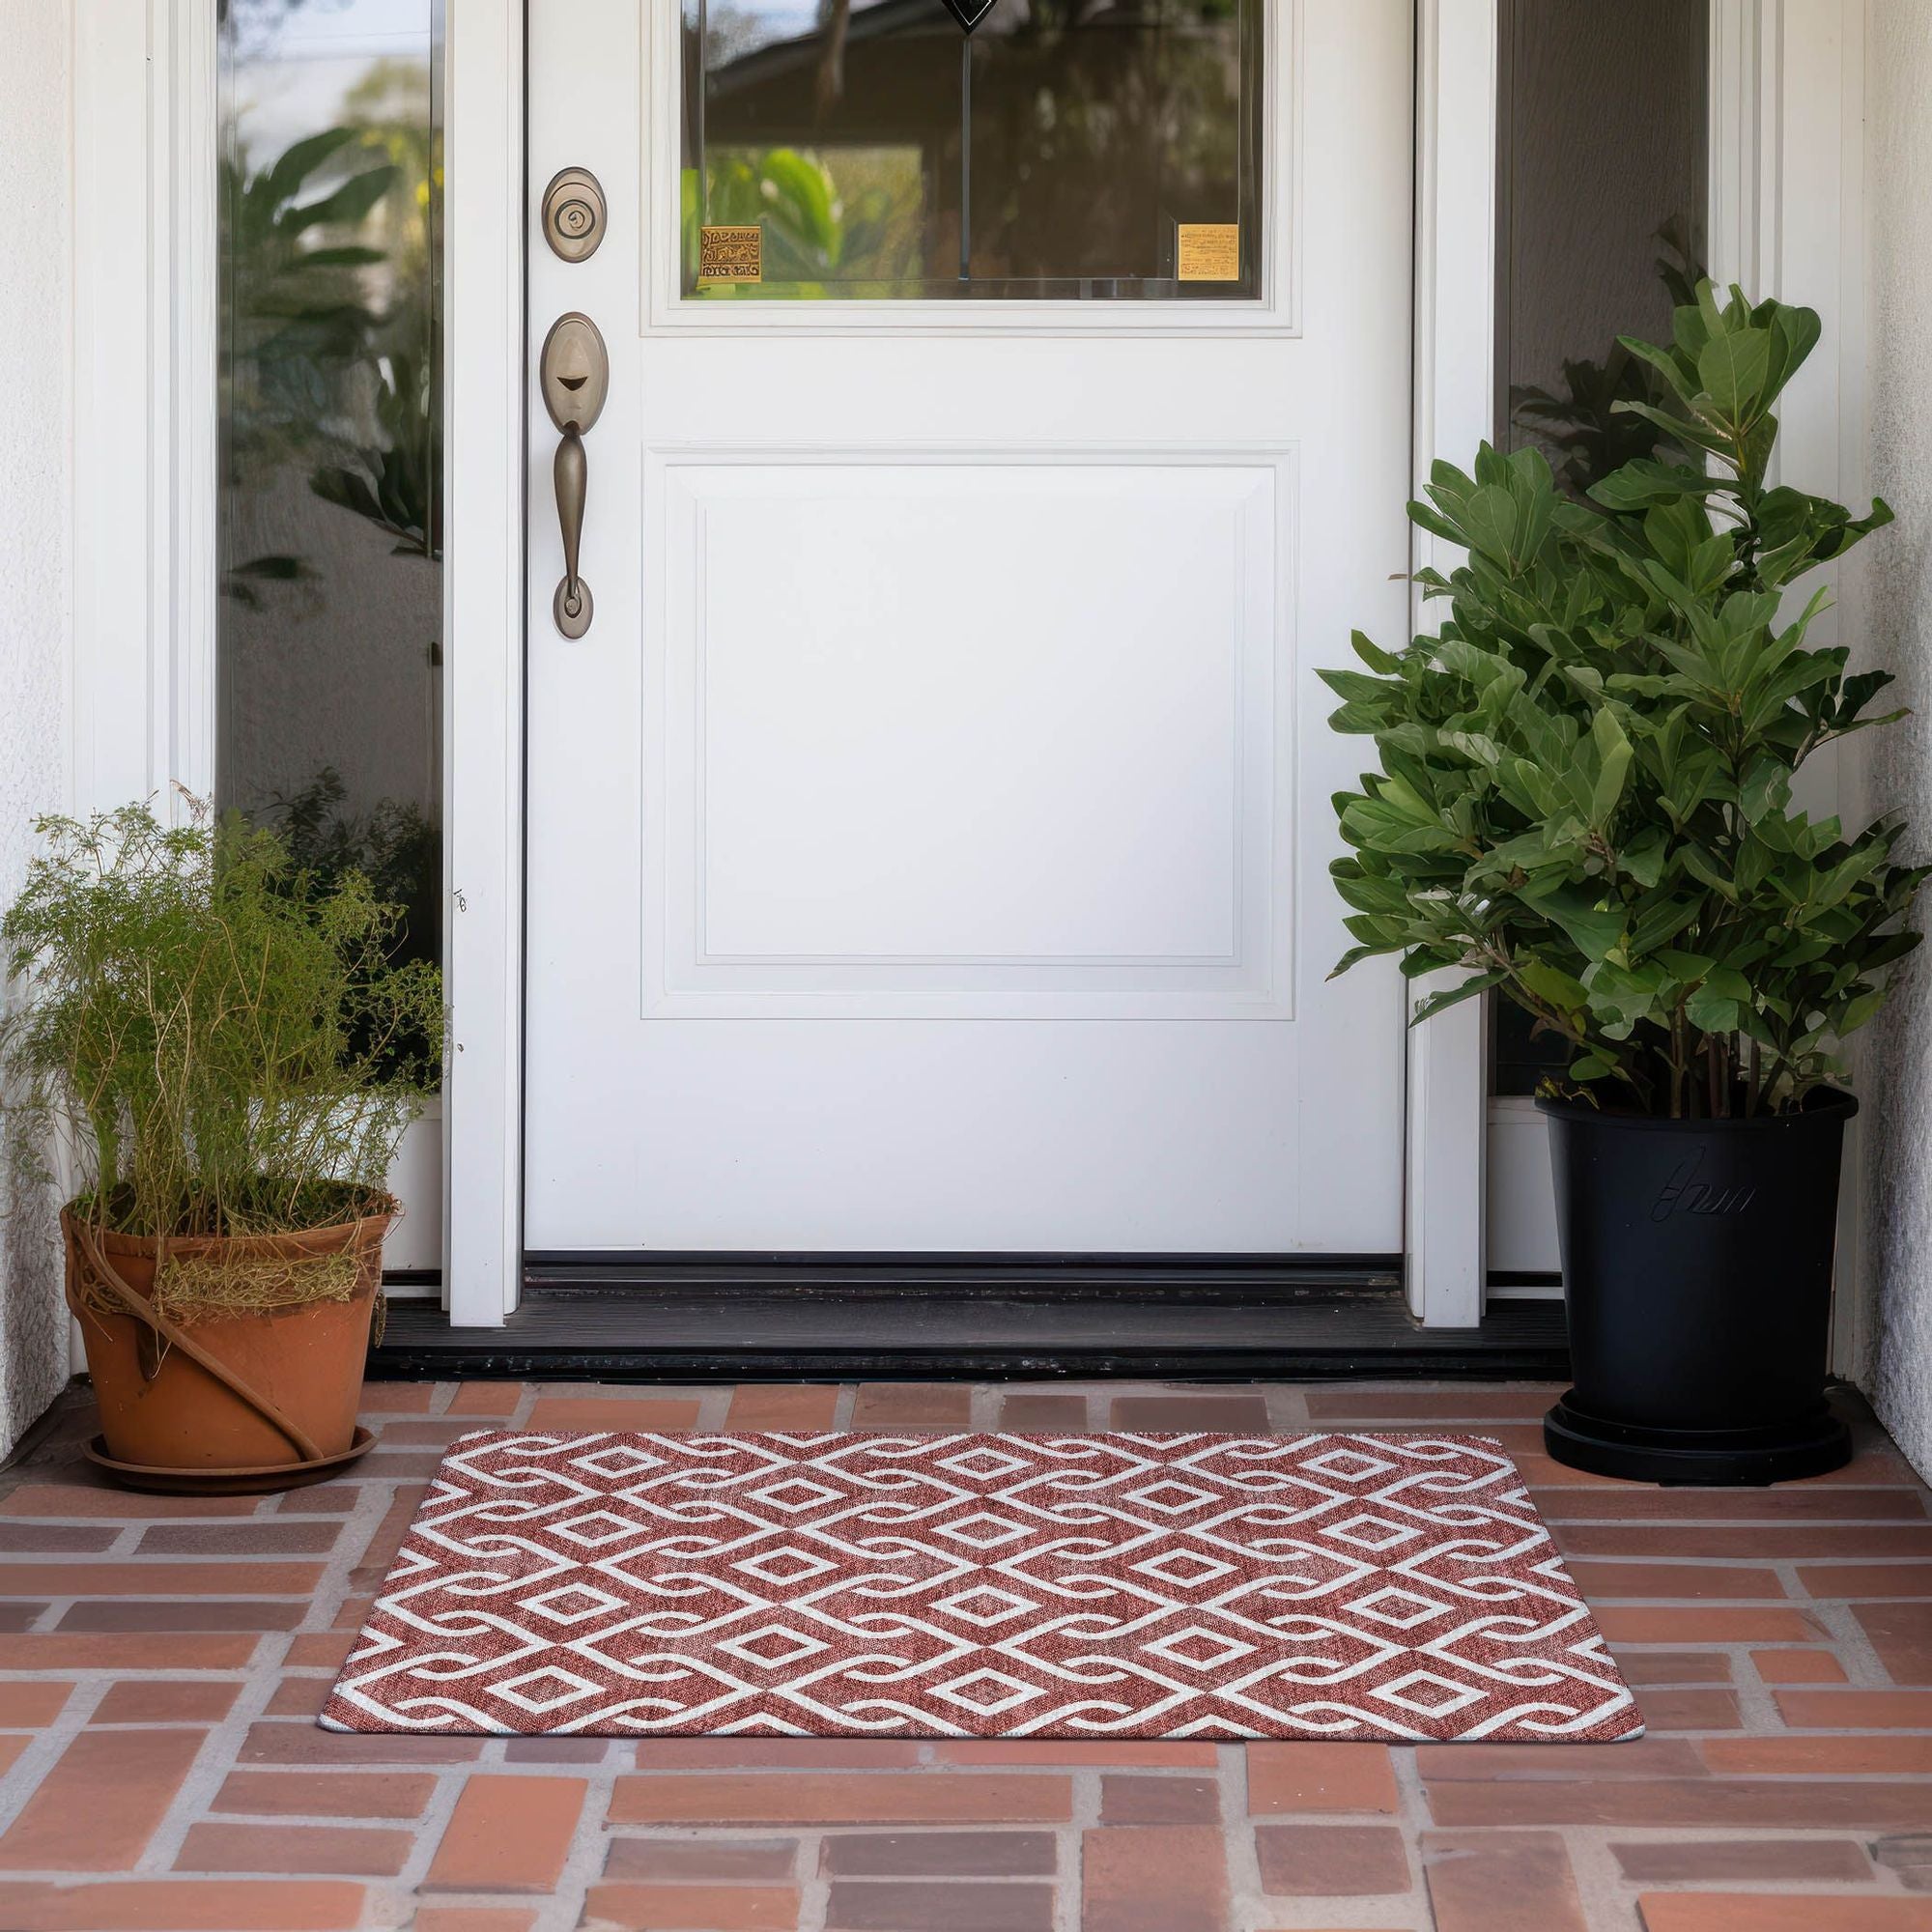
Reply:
x=162 y=1661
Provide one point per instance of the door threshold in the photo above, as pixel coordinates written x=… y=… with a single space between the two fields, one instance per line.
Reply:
x=1052 y=1277
x=1002 y=1331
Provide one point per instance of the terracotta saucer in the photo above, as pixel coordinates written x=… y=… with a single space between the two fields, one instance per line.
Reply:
x=226 y=1482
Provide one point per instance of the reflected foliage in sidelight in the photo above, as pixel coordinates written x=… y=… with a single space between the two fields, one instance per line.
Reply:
x=330 y=517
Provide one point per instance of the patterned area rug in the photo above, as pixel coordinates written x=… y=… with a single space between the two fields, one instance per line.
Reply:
x=1393 y=1587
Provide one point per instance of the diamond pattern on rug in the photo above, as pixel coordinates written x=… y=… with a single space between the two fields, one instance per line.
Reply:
x=1391 y=1587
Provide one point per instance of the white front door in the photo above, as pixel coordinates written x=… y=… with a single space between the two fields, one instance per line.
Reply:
x=927 y=840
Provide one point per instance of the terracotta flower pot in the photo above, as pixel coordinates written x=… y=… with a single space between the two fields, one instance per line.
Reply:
x=223 y=1392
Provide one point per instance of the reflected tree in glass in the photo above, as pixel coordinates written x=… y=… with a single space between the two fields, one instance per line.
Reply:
x=1580 y=425
x=1053 y=153
x=329 y=533
x=1602 y=179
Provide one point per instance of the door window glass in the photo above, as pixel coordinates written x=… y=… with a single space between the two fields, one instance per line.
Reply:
x=1062 y=148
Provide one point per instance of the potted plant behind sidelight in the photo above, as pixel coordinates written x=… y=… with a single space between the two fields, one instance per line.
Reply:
x=1586 y=801
x=221 y=1054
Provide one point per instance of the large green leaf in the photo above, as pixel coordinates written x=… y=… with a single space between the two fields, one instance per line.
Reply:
x=1613 y=753
x=1732 y=369
x=1491 y=522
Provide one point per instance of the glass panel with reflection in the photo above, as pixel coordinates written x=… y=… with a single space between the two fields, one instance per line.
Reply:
x=1054 y=153
x=329 y=520
x=1602 y=178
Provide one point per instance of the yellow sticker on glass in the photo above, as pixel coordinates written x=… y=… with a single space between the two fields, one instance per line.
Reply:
x=730 y=254
x=1210 y=251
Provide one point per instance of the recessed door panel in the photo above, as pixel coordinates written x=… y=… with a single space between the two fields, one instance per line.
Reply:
x=1024 y=760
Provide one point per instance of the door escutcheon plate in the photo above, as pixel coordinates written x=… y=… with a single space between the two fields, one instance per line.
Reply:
x=575 y=369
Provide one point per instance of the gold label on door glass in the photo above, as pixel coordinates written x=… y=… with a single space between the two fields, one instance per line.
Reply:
x=730 y=254
x=1210 y=251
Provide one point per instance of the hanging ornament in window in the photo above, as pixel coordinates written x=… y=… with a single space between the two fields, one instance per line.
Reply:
x=969 y=12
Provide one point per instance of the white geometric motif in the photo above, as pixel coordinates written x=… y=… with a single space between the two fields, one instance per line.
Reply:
x=1394 y=1587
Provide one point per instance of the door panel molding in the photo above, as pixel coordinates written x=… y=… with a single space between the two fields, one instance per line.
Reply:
x=1181 y=595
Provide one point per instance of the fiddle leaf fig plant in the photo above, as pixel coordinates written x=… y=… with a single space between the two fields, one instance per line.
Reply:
x=1586 y=794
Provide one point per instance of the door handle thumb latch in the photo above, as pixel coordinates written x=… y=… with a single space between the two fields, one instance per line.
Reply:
x=575 y=371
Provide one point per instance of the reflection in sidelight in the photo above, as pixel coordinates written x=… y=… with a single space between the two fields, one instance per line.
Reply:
x=1054 y=152
x=329 y=524
x=1602 y=181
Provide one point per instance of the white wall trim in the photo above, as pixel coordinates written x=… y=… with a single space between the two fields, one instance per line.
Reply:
x=1454 y=362
x=141 y=669
x=1746 y=51
x=1787 y=219
x=485 y=196
x=1854 y=1315
x=144 y=456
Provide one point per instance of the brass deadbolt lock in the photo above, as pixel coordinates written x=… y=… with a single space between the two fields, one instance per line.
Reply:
x=574 y=215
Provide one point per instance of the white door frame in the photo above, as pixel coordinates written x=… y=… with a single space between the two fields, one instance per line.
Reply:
x=1455 y=410
x=486 y=197
x=1786 y=188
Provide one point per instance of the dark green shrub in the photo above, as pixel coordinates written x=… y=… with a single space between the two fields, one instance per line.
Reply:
x=1585 y=796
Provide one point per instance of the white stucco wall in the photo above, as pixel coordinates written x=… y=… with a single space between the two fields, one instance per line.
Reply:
x=1897 y=1062
x=36 y=396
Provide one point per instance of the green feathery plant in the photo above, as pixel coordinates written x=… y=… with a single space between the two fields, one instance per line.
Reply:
x=1585 y=794
x=212 y=1043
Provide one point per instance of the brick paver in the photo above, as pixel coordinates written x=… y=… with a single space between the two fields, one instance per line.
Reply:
x=508 y=1834
x=161 y=1661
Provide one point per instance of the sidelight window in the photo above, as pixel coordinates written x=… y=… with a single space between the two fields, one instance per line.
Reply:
x=329 y=540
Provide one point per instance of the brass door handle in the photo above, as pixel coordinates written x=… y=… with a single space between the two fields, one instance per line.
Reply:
x=575 y=371
x=571 y=606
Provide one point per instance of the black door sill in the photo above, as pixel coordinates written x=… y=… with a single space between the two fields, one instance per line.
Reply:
x=1053 y=1277
x=1002 y=1330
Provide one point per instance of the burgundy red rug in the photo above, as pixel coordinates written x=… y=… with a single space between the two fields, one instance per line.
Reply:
x=1393 y=1587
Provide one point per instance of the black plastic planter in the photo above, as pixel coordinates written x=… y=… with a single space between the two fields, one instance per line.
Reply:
x=1698 y=1270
